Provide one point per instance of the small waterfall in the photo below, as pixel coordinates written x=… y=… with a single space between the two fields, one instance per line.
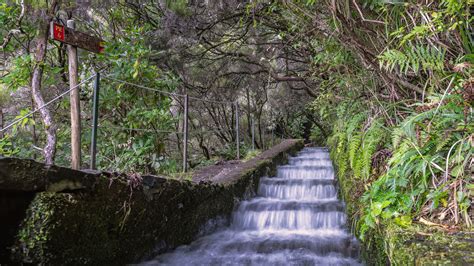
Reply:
x=296 y=219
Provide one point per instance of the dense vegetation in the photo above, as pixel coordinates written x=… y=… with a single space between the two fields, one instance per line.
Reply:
x=388 y=84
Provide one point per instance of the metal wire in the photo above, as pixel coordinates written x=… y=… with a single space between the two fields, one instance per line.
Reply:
x=210 y=101
x=140 y=129
x=165 y=131
x=143 y=87
x=44 y=105
x=165 y=92
x=208 y=131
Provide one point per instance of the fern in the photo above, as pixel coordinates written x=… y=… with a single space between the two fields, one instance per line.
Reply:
x=372 y=139
x=397 y=136
x=354 y=123
x=408 y=125
x=414 y=58
x=354 y=145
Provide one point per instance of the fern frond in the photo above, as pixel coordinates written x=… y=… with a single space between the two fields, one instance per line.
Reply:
x=442 y=143
x=397 y=136
x=414 y=57
x=354 y=146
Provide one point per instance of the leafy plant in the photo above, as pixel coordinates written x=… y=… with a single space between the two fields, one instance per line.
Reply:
x=414 y=58
x=429 y=166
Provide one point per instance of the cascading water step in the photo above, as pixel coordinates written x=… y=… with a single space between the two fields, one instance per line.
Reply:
x=289 y=182
x=309 y=161
x=295 y=220
x=299 y=172
x=322 y=245
x=289 y=220
x=297 y=189
x=265 y=205
x=299 y=168
x=313 y=154
x=314 y=149
x=283 y=258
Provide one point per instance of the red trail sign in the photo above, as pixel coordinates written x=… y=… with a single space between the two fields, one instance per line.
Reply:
x=76 y=38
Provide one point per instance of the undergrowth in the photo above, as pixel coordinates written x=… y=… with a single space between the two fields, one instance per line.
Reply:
x=419 y=168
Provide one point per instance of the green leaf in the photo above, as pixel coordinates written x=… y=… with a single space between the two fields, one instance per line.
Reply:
x=404 y=220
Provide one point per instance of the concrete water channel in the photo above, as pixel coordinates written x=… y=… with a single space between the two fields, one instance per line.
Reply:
x=280 y=208
x=296 y=218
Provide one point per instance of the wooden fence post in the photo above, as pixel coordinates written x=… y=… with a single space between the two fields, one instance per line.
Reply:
x=237 y=136
x=75 y=105
x=253 y=133
x=95 y=121
x=185 y=135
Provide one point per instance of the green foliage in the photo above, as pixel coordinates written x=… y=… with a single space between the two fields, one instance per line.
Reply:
x=431 y=151
x=428 y=169
x=19 y=74
x=373 y=140
x=251 y=154
x=354 y=148
x=229 y=152
x=404 y=153
x=414 y=58
x=122 y=107
x=7 y=148
x=33 y=233
x=317 y=137
x=297 y=126
x=179 y=6
x=132 y=139
x=8 y=16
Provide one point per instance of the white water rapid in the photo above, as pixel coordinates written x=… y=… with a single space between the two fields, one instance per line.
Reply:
x=296 y=219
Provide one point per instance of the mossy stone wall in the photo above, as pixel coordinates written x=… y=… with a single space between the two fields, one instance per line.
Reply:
x=116 y=222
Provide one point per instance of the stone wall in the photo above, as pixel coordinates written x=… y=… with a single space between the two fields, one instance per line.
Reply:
x=113 y=219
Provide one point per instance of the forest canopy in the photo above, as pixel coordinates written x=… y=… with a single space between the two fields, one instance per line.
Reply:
x=388 y=86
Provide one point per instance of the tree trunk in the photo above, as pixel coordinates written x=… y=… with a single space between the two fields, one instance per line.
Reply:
x=249 y=113
x=33 y=127
x=49 y=149
x=260 y=133
x=205 y=150
x=1 y=122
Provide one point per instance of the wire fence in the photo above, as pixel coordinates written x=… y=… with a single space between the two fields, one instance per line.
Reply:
x=201 y=127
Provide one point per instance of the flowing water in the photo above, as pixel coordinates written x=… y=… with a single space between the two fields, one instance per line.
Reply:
x=296 y=219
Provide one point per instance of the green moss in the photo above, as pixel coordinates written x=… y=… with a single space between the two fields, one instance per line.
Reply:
x=35 y=230
x=372 y=246
x=423 y=245
x=113 y=224
x=65 y=185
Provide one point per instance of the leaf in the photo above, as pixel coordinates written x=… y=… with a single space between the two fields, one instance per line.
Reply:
x=404 y=220
x=377 y=207
x=457 y=171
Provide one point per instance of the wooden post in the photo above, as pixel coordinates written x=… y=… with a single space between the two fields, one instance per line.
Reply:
x=272 y=137
x=185 y=135
x=95 y=120
x=253 y=133
x=1 y=122
x=75 y=105
x=237 y=137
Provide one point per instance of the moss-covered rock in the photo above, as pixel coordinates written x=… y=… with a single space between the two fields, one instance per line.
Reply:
x=424 y=245
x=119 y=220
